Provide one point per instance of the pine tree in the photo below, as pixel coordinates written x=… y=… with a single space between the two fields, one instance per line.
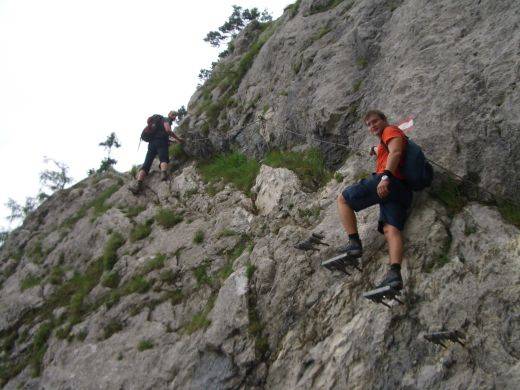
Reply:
x=238 y=19
x=108 y=162
x=54 y=179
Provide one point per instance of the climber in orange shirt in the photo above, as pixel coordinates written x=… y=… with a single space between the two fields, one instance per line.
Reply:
x=387 y=188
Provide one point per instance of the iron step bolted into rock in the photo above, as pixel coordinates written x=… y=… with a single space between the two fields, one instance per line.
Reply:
x=379 y=295
x=341 y=262
x=310 y=243
x=455 y=336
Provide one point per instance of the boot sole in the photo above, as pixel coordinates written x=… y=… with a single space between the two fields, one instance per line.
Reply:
x=354 y=254
x=394 y=285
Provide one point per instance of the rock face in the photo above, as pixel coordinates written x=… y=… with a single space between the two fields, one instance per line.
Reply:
x=197 y=286
x=452 y=64
x=241 y=307
x=275 y=188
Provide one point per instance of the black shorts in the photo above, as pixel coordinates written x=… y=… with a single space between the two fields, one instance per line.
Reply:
x=393 y=209
x=156 y=147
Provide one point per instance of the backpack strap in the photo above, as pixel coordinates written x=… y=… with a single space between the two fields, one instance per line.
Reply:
x=382 y=143
x=403 y=158
x=386 y=146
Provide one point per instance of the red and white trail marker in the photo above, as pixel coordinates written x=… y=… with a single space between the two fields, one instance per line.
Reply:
x=407 y=124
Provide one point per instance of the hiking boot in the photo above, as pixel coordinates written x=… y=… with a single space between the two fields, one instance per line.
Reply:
x=353 y=248
x=136 y=187
x=393 y=279
x=164 y=175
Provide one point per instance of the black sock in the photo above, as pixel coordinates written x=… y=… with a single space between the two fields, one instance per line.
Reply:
x=354 y=236
x=395 y=267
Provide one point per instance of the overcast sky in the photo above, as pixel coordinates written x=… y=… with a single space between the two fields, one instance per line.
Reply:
x=73 y=71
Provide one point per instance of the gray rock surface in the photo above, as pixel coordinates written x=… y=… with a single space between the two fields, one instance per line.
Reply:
x=276 y=188
x=451 y=64
x=272 y=318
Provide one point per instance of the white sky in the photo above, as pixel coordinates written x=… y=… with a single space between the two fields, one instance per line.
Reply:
x=72 y=71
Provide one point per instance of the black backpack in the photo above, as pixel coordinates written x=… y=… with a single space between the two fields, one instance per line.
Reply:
x=155 y=124
x=417 y=171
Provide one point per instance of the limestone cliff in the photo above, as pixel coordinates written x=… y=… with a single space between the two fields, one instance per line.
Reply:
x=454 y=65
x=196 y=285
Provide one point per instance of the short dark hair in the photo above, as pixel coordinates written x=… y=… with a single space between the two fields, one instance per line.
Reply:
x=380 y=114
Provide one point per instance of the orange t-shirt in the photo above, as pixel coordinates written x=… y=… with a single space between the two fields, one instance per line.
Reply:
x=382 y=151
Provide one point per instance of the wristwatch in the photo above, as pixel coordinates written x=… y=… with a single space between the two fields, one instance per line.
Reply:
x=384 y=177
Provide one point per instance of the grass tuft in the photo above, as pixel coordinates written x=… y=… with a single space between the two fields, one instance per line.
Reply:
x=309 y=166
x=63 y=332
x=442 y=258
x=310 y=213
x=233 y=168
x=469 y=230
x=30 y=281
x=110 y=279
x=112 y=299
x=297 y=65
x=510 y=212
x=56 y=276
x=82 y=335
x=322 y=32
x=362 y=62
x=450 y=193
x=36 y=253
x=39 y=346
x=250 y=270
x=140 y=232
x=144 y=345
x=138 y=284
x=201 y=275
x=99 y=205
x=167 y=218
x=198 y=238
x=225 y=271
x=238 y=249
x=69 y=294
x=293 y=8
x=112 y=327
x=227 y=233
x=323 y=6
x=175 y=151
x=357 y=86
x=72 y=292
x=176 y=296
x=133 y=211
x=156 y=263
x=256 y=327
x=109 y=258
x=200 y=320
x=168 y=276
x=134 y=170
